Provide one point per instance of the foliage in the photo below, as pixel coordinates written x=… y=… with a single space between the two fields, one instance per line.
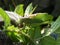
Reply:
x=36 y=28
x=5 y=17
x=19 y=10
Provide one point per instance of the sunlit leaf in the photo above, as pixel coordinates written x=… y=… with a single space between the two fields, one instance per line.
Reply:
x=29 y=9
x=5 y=17
x=13 y=33
x=14 y=16
x=19 y=10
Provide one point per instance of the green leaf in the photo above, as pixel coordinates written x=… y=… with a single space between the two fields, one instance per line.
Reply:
x=38 y=19
x=50 y=41
x=33 y=33
x=13 y=33
x=5 y=17
x=31 y=21
x=19 y=10
x=54 y=27
x=29 y=9
x=37 y=33
x=43 y=17
x=33 y=9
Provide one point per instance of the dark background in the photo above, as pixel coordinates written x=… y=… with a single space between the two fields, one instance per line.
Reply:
x=49 y=6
